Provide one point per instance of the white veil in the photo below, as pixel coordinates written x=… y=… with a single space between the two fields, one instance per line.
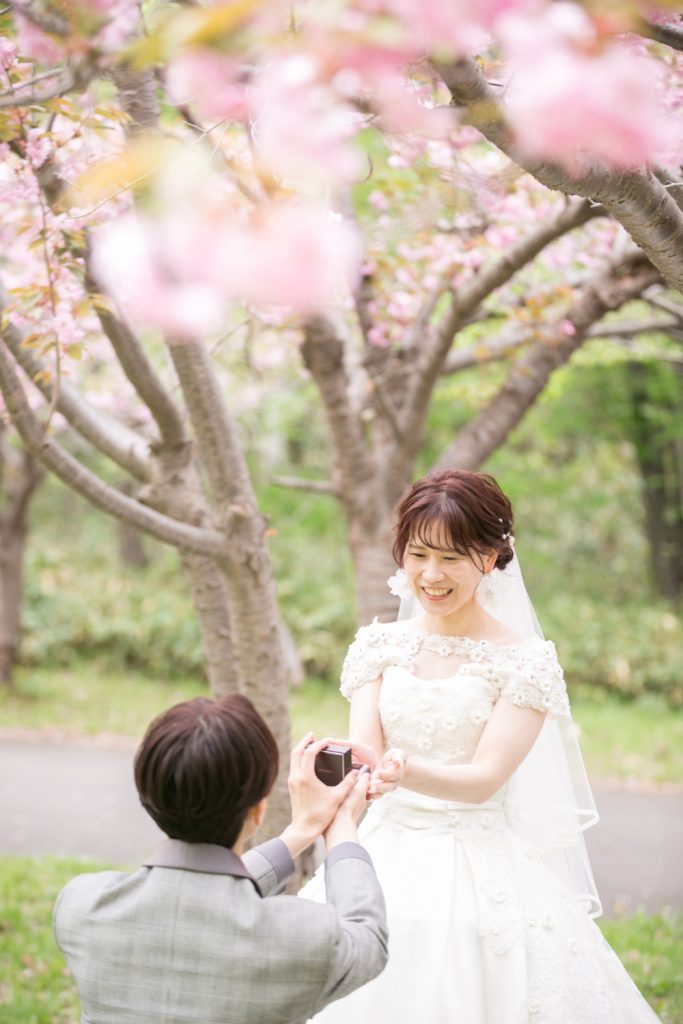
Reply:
x=549 y=796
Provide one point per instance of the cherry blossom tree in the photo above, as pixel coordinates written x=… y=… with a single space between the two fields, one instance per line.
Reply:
x=397 y=189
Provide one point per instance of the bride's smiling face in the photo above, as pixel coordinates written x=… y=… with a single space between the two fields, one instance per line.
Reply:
x=442 y=579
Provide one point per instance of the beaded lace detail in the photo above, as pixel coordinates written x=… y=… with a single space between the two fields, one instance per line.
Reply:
x=526 y=673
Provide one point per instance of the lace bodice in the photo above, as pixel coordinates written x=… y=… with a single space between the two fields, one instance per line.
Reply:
x=441 y=718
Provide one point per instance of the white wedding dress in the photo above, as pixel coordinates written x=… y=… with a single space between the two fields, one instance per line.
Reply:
x=480 y=929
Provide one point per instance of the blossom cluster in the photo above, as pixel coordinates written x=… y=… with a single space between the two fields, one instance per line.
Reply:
x=280 y=114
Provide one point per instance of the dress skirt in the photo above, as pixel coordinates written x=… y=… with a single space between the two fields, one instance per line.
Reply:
x=480 y=930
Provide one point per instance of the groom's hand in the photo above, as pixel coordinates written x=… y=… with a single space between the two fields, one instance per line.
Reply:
x=314 y=804
x=361 y=753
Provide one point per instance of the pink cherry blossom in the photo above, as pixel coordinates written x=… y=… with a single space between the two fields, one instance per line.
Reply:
x=291 y=255
x=302 y=131
x=8 y=52
x=36 y=45
x=573 y=108
x=38 y=147
x=121 y=22
x=131 y=264
x=180 y=273
x=449 y=26
x=212 y=82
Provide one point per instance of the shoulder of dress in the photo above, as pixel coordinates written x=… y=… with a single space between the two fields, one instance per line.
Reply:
x=381 y=630
x=535 y=654
x=534 y=646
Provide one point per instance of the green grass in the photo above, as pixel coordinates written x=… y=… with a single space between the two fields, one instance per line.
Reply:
x=651 y=949
x=621 y=739
x=638 y=739
x=35 y=987
x=85 y=699
x=319 y=707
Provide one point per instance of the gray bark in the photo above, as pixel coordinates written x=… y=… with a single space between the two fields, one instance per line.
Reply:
x=324 y=357
x=373 y=565
x=253 y=608
x=18 y=483
x=210 y=600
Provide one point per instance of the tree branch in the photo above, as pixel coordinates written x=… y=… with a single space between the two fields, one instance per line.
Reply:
x=641 y=204
x=90 y=486
x=213 y=425
x=49 y=22
x=487 y=352
x=670 y=34
x=529 y=376
x=661 y=302
x=32 y=475
x=631 y=329
x=323 y=356
x=298 y=483
x=139 y=370
x=68 y=80
x=463 y=304
x=639 y=355
x=112 y=438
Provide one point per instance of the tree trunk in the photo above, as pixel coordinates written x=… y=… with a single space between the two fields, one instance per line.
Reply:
x=12 y=547
x=210 y=600
x=178 y=491
x=661 y=471
x=257 y=631
x=26 y=476
x=131 y=541
x=373 y=565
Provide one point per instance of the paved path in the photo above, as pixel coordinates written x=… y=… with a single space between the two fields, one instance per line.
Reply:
x=79 y=799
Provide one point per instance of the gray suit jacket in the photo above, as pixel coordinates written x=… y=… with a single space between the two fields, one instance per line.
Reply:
x=198 y=936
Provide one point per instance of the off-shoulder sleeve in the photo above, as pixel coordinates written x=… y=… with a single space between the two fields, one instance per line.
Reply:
x=366 y=659
x=536 y=680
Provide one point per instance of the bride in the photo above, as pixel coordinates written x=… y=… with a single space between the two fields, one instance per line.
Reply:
x=477 y=838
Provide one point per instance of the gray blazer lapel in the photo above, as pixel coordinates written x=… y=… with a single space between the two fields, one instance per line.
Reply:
x=206 y=858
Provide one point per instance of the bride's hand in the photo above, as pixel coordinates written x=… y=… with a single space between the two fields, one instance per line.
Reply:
x=388 y=774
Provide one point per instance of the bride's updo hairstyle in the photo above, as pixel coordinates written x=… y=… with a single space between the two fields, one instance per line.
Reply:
x=467 y=509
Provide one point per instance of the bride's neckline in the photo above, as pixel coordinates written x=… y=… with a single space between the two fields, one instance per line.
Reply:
x=456 y=638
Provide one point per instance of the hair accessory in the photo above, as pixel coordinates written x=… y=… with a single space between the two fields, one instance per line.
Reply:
x=399 y=586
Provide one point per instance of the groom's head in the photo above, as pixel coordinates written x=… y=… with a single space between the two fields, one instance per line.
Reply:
x=202 y=765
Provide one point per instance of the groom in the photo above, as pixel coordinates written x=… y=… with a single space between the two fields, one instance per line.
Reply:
x=198 y=934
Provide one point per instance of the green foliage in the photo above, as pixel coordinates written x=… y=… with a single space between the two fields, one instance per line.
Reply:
x=312 y=565
x=630 y=648
x=88 y=604
x=35 y=987
x=651 y=949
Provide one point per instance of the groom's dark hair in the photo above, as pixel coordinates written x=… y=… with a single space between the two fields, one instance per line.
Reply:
x=202 y=765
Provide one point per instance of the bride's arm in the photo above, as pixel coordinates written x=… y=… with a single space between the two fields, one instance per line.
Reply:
x=508 y=737
x=364 y=721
